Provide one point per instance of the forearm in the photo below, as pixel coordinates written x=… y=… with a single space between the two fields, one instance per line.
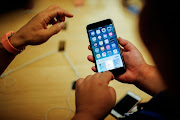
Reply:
x=150 y=80
x=5 y=58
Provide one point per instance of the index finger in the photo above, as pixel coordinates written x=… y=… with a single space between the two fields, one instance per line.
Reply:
x=59 y=10
x=107 y=76
x=52 y=13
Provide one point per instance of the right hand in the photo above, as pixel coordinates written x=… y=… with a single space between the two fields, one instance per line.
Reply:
x=133 y=59
x=94 y=97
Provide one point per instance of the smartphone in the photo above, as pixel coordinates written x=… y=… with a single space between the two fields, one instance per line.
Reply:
x=126 y=104
x=105 y=47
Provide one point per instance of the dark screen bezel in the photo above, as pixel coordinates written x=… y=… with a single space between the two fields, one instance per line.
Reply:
x=116 y=71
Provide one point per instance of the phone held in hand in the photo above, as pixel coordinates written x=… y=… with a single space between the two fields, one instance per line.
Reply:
x=125 y=105
x=105 y=47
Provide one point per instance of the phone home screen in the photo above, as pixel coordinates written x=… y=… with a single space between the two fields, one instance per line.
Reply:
x=105 y=48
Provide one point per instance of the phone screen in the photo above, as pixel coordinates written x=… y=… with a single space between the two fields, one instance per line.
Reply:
x=126 y=104
x=105 y=48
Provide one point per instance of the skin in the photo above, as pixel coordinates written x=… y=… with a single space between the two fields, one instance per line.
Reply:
x=149 y=78
x=38 y=32
x=94 y=98
x=88 y=108
x=138 y=72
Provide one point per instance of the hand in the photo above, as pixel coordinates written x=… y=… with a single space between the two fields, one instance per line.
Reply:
x=94 y=98
x=133 y=59
x=144 y=76
x=36 y=31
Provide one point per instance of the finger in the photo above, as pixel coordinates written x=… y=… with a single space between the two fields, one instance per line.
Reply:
x=52 y=7
x=94 y=69
x=88 y=77
x=79 y=82
x=89 y=47
x=91 y=58
x=113 y=94
x=57 y=12
x=68 y=14
x=60 y=18
x=107 y=76
x=54 y=29
x=124 y=78
x=126 y=44
x=52 y=21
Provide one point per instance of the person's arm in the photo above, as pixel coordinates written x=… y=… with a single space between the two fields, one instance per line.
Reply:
x=150 y=80
x=144 y=76
x=5 y=58
x=35 y=32
x=94 y=98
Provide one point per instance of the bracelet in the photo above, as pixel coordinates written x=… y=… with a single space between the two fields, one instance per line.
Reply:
x=7 y=45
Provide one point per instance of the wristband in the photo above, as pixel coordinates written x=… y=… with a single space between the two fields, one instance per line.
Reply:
x=7 y=45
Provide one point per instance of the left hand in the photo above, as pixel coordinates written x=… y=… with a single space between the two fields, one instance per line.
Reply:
x=94 y=98
x=36 y=31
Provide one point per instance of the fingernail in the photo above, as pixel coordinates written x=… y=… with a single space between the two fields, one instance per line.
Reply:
x=61 y=25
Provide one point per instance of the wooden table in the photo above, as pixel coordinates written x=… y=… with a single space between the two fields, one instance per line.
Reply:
x=45 y=83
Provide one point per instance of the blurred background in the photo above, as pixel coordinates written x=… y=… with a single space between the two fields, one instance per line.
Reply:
x=42 y=89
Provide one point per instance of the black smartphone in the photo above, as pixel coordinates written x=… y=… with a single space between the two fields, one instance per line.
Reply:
x=126 y=104
x=105 y=47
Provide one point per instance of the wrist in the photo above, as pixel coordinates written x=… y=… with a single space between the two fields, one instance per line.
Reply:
x=17 y=41
x=143 y=72
x=150 y=80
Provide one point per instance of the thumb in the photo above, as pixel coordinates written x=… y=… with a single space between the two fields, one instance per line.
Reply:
x=113 y=94
x=56 y=28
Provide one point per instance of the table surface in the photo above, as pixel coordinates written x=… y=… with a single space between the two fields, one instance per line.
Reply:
x=46 y=83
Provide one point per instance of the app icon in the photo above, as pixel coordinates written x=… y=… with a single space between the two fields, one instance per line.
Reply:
x=115 y=51
x=97 y=50
x=98 y=55
x=101 y=43
x=94 y=39
x=99 y=37
x=92 y=33
x=109 y=52
x=102 y=48
x=113 y=45
x=98 y=32
x=104 y=54
x=110 y=34
x=112 y=40
x=95 y=44
x=105 y=36
x=106 y=41
x=109 y=29
x=107 y=47
x=103 y=30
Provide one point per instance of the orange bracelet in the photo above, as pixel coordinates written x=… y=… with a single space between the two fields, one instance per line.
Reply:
x=7 y=45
